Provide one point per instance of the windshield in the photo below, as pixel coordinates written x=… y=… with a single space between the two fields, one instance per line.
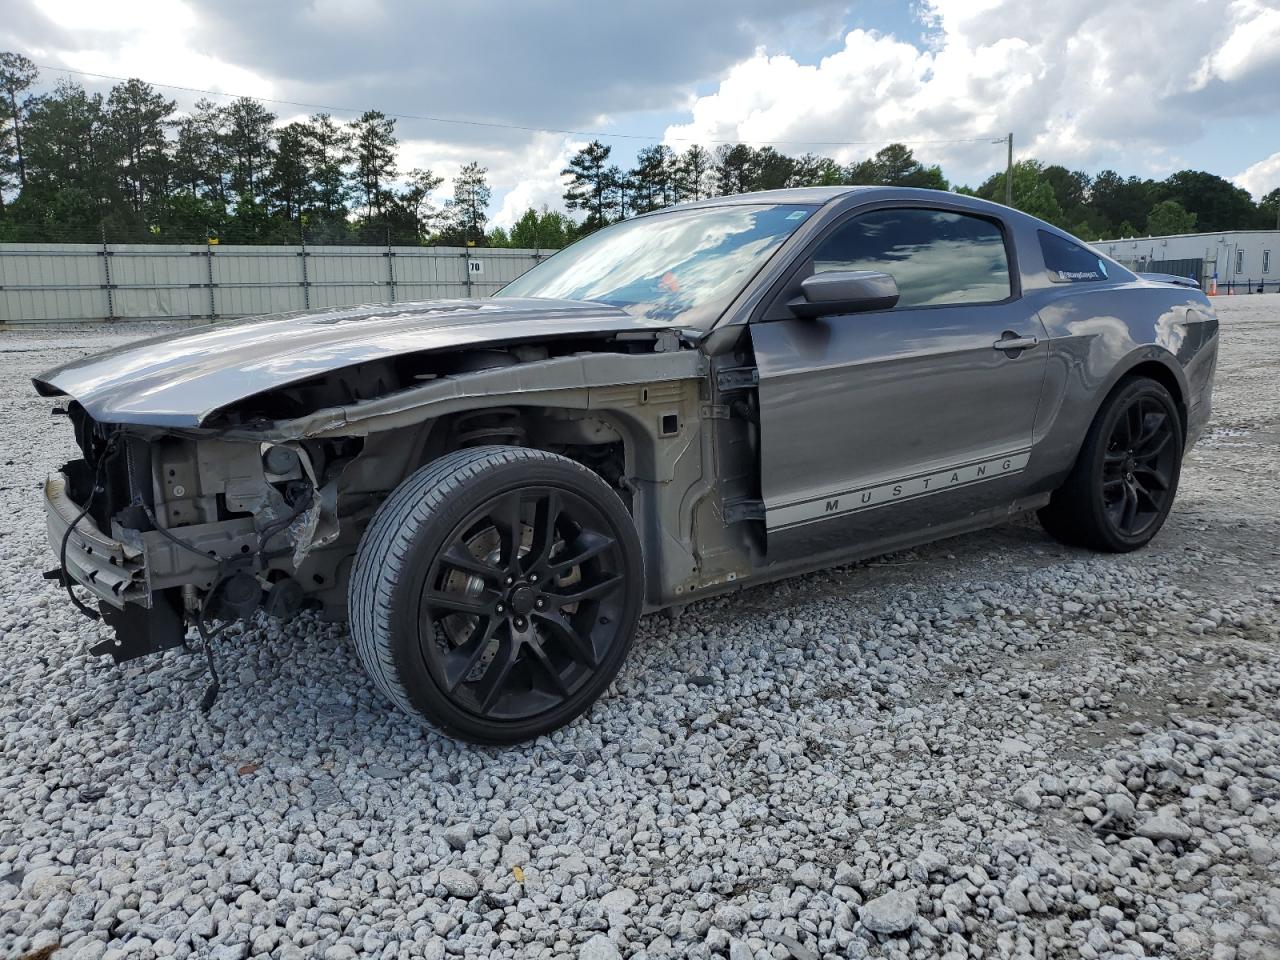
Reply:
x=684 y=266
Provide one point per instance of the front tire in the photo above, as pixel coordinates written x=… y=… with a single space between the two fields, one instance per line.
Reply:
x=495 y=593
x=1122 y=486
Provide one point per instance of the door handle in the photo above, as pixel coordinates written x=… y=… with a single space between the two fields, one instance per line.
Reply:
x=1010 y=342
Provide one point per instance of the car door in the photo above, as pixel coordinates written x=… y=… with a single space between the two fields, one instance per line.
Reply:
x=878 y=425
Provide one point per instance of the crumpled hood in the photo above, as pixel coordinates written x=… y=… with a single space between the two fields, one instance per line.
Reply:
x=179 y=379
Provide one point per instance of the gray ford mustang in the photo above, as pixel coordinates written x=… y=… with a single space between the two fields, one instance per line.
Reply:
x=714 y=395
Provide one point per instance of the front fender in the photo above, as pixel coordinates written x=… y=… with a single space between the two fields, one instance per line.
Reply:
x=582 y=381
x=638 y=395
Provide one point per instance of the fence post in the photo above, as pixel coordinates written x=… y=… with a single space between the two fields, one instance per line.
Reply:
x=106 y=274
x=306 y=281
x=208 y=262
x=391 y=271
x=466 y=270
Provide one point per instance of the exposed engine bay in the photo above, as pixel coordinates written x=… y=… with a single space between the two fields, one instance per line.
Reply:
x=263 y=506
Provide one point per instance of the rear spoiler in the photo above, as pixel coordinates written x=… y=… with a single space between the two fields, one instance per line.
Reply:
x=1170 y=278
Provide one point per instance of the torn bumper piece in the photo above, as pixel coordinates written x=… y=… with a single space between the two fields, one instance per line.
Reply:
x=115 y=574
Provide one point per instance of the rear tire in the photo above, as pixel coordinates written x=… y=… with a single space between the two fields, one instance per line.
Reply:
x=1123 y=484
x=495 y=593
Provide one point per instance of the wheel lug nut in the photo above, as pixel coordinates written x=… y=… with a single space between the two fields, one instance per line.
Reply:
x=510 y=580
x=501 y=607
x=540 y=603
x=533 y=578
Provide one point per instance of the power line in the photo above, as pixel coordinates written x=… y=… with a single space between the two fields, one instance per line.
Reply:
x=595 y=135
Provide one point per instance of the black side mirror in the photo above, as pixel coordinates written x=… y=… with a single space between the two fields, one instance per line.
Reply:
x=845 y=291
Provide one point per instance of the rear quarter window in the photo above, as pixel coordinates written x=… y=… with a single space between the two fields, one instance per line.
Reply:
x=1070 y=262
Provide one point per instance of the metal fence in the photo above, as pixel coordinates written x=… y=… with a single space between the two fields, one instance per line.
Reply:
x=1230 y=288
x=76 y=282
x=1202 y=270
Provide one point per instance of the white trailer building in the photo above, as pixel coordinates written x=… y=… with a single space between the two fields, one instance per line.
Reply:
x=1240 y=260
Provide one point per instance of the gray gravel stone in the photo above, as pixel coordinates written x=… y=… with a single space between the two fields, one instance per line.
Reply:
x=1027 y=797
x=893 y=912
x=619 y=901
x=1165 y=826
x=807 y=875
x=459 y=835
x=599 y=947
x=730 y=917
x=822 y=742
x=458 y=883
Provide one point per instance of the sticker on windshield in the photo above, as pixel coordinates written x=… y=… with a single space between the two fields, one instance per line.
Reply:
x=797 y=215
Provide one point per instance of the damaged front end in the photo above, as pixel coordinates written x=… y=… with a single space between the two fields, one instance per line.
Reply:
x=170 y=532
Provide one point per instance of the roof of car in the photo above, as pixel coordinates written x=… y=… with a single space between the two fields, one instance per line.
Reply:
x=822 y=195
x=787 y=195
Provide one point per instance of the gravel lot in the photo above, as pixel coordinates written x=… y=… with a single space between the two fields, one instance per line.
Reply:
x=992 y=746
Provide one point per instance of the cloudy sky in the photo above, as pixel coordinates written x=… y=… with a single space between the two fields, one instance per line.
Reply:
x=1087 y=83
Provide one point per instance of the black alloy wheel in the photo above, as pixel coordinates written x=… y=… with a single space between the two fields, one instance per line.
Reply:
x=1138 y=469
x=1122 y=486
x=496 y=591
x=523 y=603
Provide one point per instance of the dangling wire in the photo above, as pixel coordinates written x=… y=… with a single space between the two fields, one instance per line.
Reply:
x=206 y=639
x=207 y=636
x=94 y=490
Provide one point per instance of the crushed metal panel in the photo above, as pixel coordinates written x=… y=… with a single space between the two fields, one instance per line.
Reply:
x=540 y=382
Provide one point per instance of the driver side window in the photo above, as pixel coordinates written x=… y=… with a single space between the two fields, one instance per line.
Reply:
x=936 y=256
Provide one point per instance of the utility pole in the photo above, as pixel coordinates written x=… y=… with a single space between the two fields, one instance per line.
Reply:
x=1008 y=175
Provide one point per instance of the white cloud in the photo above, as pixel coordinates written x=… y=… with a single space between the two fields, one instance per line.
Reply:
x=527 y=176
x=1250 y=46
x=122 y=17
x=537 y=180
x=1261 y=178
x=157 y=39
x=1088 y=82
x=1082 y=83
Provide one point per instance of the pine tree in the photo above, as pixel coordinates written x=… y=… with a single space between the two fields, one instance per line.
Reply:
x=417 y=202
x=8 y=164
x=618 y=191
x=200 y=162
x=468 y=210
x=812 y=170
x=17 y=74
x=692 y=172
x=137 y=116
x=331 y=148
x=735 y=168
x=590 y=184
x=291 y=179
x=773 y=170
x=374 y=155
x=248 y=145
x=72 y=164
x=652 y=179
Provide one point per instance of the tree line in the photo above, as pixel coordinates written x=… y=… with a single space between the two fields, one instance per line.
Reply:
x=127 y=165
x=1090 y=206
x=76 y=165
